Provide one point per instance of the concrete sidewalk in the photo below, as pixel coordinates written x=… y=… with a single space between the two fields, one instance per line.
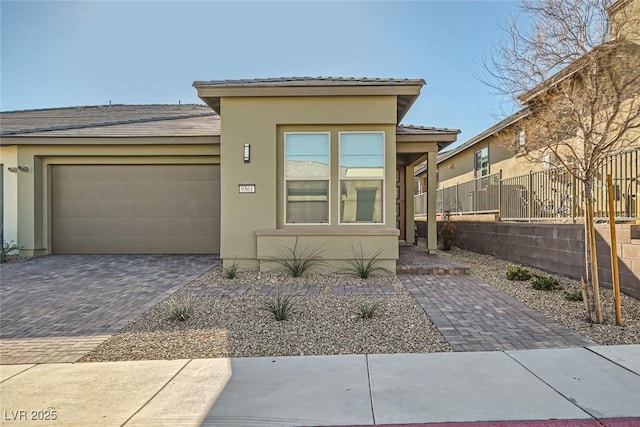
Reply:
x=580 y=384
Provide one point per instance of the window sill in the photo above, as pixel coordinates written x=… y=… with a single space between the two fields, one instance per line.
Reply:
x=346 y=230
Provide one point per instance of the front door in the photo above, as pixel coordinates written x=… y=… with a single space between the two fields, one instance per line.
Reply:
x=400 y=201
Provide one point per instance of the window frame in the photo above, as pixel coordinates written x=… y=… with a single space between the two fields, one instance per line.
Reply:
x=475 y=163
x=382 y=179
x=328 y=178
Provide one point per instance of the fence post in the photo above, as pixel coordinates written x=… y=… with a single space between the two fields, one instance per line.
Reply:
x=457 y=197
x=530 y=195
x=574 y=199
x=500 y=194
x=475 y=196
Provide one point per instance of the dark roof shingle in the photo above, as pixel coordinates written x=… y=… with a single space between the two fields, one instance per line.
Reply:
x=112 y=120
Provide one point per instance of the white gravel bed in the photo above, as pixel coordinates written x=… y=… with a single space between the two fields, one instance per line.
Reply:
x=553 y=304
x=236 y=326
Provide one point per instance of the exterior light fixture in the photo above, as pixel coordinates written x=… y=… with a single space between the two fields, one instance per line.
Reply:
x=24 y=168
x=246 y=153
x=12 y=169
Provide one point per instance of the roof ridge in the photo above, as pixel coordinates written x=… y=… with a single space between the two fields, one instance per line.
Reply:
x=82 y=107
x=109 y=123
x=292 y=79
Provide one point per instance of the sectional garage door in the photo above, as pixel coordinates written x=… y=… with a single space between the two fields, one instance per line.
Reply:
x=102 y=209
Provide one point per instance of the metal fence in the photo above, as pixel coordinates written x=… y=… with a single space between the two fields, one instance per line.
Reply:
x=548 y=195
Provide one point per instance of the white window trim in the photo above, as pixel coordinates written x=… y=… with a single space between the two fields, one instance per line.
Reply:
x=383 y=179
x=285 y=180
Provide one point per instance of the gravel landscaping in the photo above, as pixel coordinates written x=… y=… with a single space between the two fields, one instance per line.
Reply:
x=228 y=319
x=553 y=304
x=237 y=326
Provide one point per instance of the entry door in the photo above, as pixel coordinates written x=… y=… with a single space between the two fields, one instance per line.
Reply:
x=400 y=201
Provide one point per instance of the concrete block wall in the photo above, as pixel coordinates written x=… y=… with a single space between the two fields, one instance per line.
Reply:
x=556 y=248
x=628 y=247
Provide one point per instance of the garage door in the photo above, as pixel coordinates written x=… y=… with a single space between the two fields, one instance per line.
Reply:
x=102 y=209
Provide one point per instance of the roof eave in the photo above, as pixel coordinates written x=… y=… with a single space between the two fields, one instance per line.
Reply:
x=406 y=92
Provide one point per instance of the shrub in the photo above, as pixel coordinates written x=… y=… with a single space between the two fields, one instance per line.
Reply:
x=297 y=262
x=181 y=308
x=573 y=296
x=363 y=266
x=5 y=251
x=231 y=271
x=518 y=272
x=545 y=283
x=447 y=231
x=281 y=306
x=367 y=310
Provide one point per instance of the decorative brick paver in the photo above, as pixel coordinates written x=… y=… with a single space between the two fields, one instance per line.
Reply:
x=364 y=289
x=57 y=308
x=295 y=290
x=416 y=260
x=475 y=316
x=219 y=291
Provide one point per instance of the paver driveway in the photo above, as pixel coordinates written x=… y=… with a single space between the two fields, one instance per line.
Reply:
x=59 y=307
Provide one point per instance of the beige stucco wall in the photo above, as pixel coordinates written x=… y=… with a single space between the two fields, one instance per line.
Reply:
x=27 y=194
x=261 y=122
x=9 y=158
x=460 y=167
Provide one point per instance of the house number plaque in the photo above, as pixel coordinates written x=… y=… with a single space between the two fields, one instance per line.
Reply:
x=246 y=188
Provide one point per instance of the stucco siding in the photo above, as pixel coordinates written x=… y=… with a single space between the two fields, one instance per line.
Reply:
x=261 y=122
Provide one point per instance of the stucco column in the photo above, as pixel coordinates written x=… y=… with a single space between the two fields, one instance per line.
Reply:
x=408 y=205
x=432 y=184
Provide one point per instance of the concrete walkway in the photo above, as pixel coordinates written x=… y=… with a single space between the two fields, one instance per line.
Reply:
x=475 y=316
x=591 y=385
x=57 y=308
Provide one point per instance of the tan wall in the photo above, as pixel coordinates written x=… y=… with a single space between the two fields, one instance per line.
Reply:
x=628 y=16
x=32 y=188
x=261 y=122
x=334 y=247
x=460 y=167
x=9 y=158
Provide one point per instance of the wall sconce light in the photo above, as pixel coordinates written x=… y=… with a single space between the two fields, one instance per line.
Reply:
x=12 y=169
x=246 y=153
x=24 y=168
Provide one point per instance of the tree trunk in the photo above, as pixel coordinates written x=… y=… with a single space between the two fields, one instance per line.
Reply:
x=591 y=255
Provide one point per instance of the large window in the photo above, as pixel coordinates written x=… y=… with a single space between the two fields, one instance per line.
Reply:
x=482 y=162
x=307 y=178
x=361 y=177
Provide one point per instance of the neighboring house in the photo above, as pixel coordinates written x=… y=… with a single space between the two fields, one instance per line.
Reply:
x=485 y=154
x=322 y=161
x=502 y=152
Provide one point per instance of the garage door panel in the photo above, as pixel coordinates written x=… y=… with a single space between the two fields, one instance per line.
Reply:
x=135 y=208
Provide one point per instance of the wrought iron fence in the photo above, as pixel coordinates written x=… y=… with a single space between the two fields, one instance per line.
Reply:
x=548 y=195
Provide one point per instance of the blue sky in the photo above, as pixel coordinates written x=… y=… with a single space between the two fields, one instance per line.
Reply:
x=87 y=52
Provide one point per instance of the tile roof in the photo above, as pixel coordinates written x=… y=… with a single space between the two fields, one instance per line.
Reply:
x=311 y=81
x=421 y=130
x=112 y=120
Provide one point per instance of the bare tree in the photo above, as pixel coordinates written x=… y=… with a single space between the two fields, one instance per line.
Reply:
x=575 y=65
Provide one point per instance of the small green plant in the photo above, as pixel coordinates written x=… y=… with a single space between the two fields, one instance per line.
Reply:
x=298 y=261
x=363 y=266
x=545 y=283
x=518 y=272
x=232 y=270
x=367 y=310
x=7 y=249
x=573 y=295
x=181 y=308
x=281 y=306
x=447 y=231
